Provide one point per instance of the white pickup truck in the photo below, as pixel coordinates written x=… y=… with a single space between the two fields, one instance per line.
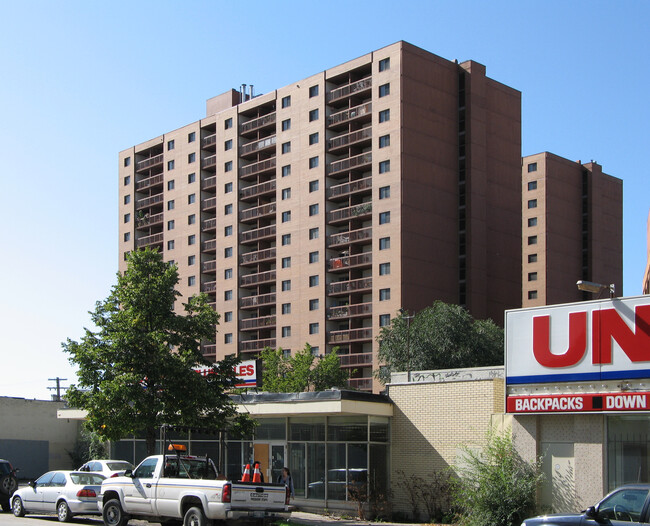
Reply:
x=179 y=488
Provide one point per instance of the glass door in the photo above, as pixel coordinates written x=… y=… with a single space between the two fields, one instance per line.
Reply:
x=277 y=454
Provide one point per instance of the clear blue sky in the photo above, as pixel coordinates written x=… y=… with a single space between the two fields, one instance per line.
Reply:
x=83 y=80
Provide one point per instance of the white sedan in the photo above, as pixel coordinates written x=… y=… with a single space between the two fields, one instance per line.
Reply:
x=108 y=468
x=65 y=493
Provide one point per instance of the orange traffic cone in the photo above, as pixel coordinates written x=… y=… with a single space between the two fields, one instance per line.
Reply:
x=247 y=473
x=257 y=476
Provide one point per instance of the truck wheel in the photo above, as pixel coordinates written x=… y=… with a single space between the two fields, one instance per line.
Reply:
x=195 y=517
x=113 y=514
x=8 y=484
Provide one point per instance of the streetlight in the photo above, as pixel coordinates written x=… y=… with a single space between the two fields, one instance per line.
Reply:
x=596 y=288
x=405 y=315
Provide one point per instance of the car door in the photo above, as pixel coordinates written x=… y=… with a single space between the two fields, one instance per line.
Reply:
x=139 y=495
x=622 y=508
x=52 y=491
x=33 y=496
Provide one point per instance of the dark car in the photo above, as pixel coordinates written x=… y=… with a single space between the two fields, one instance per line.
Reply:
x=625 y=505
x=8 y=483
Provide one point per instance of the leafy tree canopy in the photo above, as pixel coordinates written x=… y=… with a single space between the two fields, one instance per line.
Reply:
x=136 y=371
x=299 y=373
x=442 y=336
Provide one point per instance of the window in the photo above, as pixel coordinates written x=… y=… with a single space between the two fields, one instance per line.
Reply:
x=532 y=240
x=170 y=185
x=532 y=258
x=127 y=199
x=313 y=162
x=286 y=216
x=314 y=304
x=227 y=188
x=532 y=294
x=384 y=141
x=313 y=328
x=286 y=239
x=313 y=281
x=286 y=170
x=191 y=219
x=384 y=294
x=286 y=193
x=227 y=316
x=384 y=90
x=315 y=351
x=227 y=338
x=127 y=218
x=227 y=145
x=286 y=308
x=384 y=116
x=313 y=257
x=286 y=124
x=227 y=124
x=127 y=180
x=384 y=218
x=384 y=192
x=313 y=186
x=384 y=320
x=191 y=260
x=532 y=185
x=313 y=91
x=532 y=276
x=286 y=147
x=227 y=295
x=313 y=209
x=191 y=137
x=170 y=145
x=191 y=281
x=384 y=166
x=191 y=178
x=227 y=273
x=170 y=205
x=286 y=285
x=286 y=101
x=313 y=138
x=227 y=231
x=532 y=167
x=313 y=233
x=286 y=262
x=170 y=245
x=127 y=236
x=191 y=157
x=170 y=165
x=384 y=269
x=313 y=115
x=170 y=225
x=384 y=64
x=286 y=332
x=191 y=240
x=532 y=203
x=191 y=199
x=286 y=353
x=532 y=221
x=127 y=161
x=227 y=252
x=384 y=243
x=227 y=167
x=227 y=209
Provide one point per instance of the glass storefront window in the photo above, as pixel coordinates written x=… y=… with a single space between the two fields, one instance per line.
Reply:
x=307 y=429
x=347 y=428
x=237 y=455
x=297 y=468
x=628 y=441
x=271 y=429
x=379 y=429
x=336 y=472
x=315 y=471
x=378 y=482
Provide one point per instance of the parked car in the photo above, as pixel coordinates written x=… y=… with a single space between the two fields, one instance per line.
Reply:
x=628 y=504
x=8 y=483
x=108 y=468
x=65 y=493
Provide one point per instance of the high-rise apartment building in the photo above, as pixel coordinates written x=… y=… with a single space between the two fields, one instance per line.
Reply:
x=313 y=213
x=572 y=229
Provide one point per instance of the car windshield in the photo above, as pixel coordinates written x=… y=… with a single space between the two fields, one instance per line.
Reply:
x=119 y=466
x=624 y=505
x=87 y=479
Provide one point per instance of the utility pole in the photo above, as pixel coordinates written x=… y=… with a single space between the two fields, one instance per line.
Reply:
x=57 y=396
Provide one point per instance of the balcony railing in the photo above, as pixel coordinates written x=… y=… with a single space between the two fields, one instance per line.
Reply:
x=351 y=236
x=146 y=164
x=345 y=189
x=257 y=212
x=210 y=266
x=209 y=204
x=357 y=260
x=256 y=124
x=358 y=161
x=350 y=138
x=209 y=350
x=350 y=114
x=353 y=285
x=209 y=246
x=209 y=183
x=258 y=256
x=346 y=91
x=256 y=345
x=250 y=170
x=349 y=311
x=257 y=146
x=251 y=302
x=350 y=335
x=256 y=279
x=149 y=182
x=209 y=225
x=209 y=140
x=210 y=287
x=257 y=190
x=154 y=239
x=257 y=323
x=150 y=201
x=362 y=384
x=351 y=212
x=148 y=220
x=257 y=234
x=209 y=162
x=352 y=360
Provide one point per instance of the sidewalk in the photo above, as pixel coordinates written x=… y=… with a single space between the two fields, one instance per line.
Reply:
x=312 y=519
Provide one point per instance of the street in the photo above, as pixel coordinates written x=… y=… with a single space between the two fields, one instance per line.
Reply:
x=7 y=519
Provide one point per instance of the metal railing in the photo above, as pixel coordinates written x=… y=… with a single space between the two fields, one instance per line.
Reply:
x=355 y=260
x=257 y=323
x=350 y=335
x=256 y=212
x=258 y=123
x=256 y=146
x=255 y=279
x=257 y=234
x=351 y=360
x=257 y=256
x=250 y=302
x=149 y=240
x=258 y=189
x=349 y=89
x=353 y=285
x=350 y=138
x=145 y=164
x=347 y=164
x=350 y=114
x=149 y=220
x=256 y=168
x=341 y=214
x=352 y=187
x=351 y=236
x=349 y=311
x=149 y=182
x=150 y=201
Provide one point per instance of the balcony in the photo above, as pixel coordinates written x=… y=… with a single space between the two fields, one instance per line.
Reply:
x=209 y=287
x=350 y=139
x=258 y=212
x=209 y=141
x=345 y=91
x=341 y=191
x=209 y=225
x=259 y=256
x=252 y=302
x=209 y=183
x=149 y=201
x=361 y=112
x=360 y=211
x=147 y=183
x=151 y=162
x=209 y=350
x=257 y=279
x=257 y=146
x=358 y=359
x=209 y=266
x=149 y=220
x=155 y=239
x=346 y=287
x=209 y=246
x=257 y=124
x=356 y=162
x=361 y=384
x=349 y=311
x=209 y=162
x=258 y=234
x=251 y=170
x=251 y=192
x=256 y=345
x=350 y=335
x=251 y=324
x=351 y=236
x=209 y=205
x=355 y=261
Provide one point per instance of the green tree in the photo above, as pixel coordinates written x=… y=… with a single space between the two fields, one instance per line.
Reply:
x=137 y=370
x=301 y=372
x=442 y=336
x=496 y=487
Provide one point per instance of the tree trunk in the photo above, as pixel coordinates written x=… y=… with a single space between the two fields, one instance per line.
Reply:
x=151 y=436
